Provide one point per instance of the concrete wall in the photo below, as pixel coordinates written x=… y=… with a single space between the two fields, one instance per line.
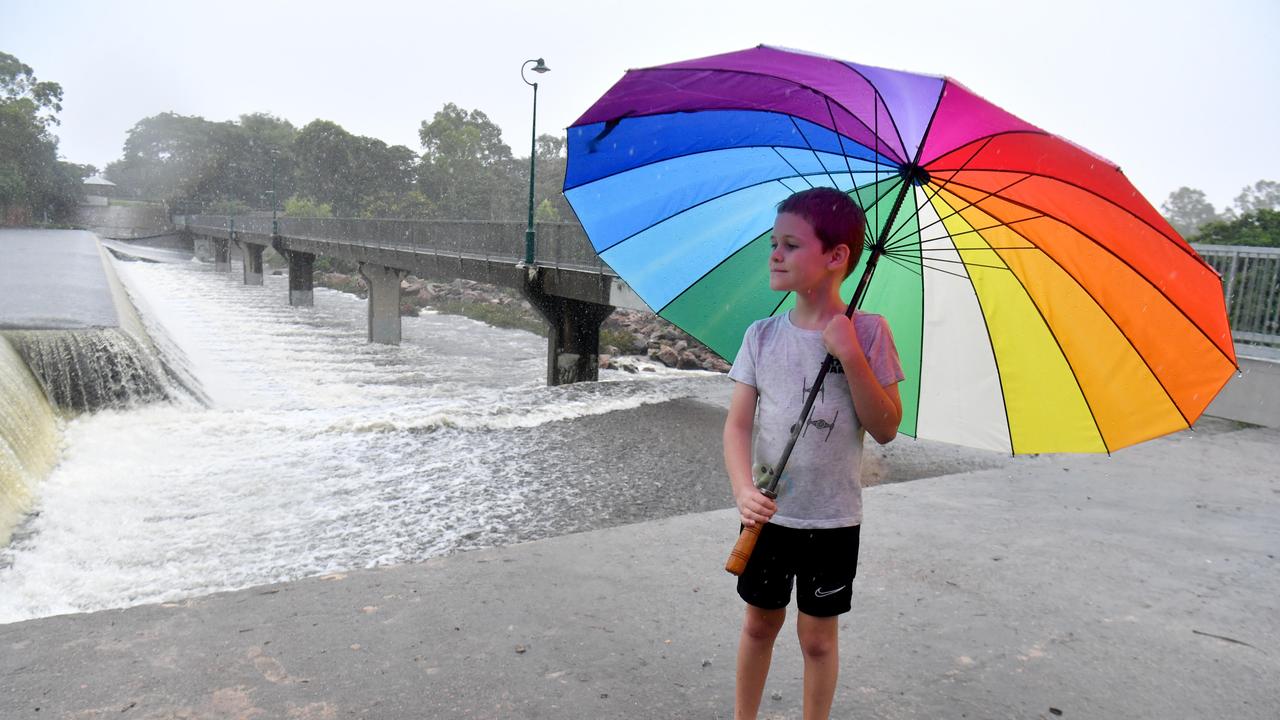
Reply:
x=1253 y=396
x=123 y=220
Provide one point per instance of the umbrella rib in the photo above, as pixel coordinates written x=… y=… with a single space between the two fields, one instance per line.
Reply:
x=816 y=157
x=908 y=257
x=1062 y=352
x=876 y=161
x=940 y=188
x=1104 y=198
x=970 y=204
x=779 y=78
x=727 y=71
x=876 y=109
x=1116 y=325
x=840 y=136
x=691 y=207
x=908 y=260
x=793 y=167
x=905 y=266
x=1112 y=253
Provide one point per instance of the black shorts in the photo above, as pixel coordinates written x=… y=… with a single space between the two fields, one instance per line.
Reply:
x=822 y=563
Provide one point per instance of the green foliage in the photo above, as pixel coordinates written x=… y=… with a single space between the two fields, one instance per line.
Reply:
x=465 y=171
x=1260 y=228
x=411 y=205
x=466 y=167
x=298 y=206
x=546 y=212
x=623 y=340
x=31 y=176
x=228 y=207
x=503 y=316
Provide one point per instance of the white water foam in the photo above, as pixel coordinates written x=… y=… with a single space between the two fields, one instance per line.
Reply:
x=318 y=452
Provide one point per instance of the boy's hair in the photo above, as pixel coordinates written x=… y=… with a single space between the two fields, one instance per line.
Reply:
x=835 y=217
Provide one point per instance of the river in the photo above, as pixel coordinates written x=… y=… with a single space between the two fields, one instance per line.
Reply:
x=314 y=452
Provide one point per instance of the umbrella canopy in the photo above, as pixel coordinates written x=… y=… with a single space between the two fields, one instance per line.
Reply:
x=1038 y=302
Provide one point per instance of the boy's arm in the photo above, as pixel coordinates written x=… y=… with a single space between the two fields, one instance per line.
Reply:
x=753 y=506
x=879 y=407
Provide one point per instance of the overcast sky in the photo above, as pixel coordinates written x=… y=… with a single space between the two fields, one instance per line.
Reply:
x=1176 y=92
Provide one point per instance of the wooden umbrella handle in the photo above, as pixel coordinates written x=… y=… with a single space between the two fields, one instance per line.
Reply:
x=742 y=549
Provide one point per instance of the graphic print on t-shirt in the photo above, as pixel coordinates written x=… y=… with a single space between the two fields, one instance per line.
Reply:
x=828 y=424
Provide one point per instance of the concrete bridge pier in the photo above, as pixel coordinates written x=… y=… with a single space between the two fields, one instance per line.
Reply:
x=302 y=279
x=302 y=268
x=252 y=255
x=573 y=343
x=384 y=302
x=221 y=254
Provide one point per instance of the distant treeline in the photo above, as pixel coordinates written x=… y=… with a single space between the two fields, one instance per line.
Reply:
x=1254 y=219
x=464 y=172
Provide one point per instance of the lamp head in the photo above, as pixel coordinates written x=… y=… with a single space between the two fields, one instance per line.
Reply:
x=541 y=67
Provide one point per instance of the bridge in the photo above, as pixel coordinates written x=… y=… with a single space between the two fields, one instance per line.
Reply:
x=567 y=283
x=575 y=291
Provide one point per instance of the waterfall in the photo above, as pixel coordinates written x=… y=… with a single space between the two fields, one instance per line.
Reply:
x=28 y=438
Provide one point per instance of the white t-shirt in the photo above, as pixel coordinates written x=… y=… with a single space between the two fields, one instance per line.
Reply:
x=820 y=487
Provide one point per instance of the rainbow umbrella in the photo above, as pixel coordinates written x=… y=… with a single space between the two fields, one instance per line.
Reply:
x=1038 y=302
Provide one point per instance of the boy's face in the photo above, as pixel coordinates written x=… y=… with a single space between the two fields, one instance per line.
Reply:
x=798 y=262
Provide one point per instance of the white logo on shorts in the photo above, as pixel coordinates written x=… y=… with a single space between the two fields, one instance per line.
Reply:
x=823 y=593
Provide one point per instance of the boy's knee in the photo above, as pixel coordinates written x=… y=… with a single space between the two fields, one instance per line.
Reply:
x=817 y=647
x=763 y=624
x=819 y=637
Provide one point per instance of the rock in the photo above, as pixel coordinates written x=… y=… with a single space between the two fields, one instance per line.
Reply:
x=715 y=364
x=606 y=361
x=668 y=357
x=687 y=361
x=680 y=346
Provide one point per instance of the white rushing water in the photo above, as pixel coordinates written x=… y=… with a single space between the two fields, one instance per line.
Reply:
x=316 y=452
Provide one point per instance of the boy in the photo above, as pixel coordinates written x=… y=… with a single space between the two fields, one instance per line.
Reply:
x=810 y=533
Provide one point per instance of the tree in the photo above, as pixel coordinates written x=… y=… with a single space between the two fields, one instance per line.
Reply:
x=466 y=167
x=172 y=157
x=306 y=207
x=32 y=178
x=1258 y=228
x=1262 y=195
x=1187 y=209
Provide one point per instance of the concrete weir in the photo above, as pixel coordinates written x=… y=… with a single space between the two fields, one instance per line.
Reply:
x=70 y=341
x=384 y=302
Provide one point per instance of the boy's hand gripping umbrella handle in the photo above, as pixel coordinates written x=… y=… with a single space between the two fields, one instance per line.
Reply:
x=767 y=481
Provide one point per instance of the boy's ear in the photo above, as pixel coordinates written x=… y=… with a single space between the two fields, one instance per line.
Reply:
x=840 y=254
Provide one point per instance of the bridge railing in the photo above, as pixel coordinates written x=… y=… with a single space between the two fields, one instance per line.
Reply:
x=557 y=244
x=1251 y=281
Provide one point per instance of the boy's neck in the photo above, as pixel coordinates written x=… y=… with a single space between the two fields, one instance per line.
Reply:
x=815 y=308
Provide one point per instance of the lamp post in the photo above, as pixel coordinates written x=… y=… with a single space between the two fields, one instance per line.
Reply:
x=275 y=223
x=538 y=67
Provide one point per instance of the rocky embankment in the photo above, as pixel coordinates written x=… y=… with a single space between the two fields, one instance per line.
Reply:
x=624 y=333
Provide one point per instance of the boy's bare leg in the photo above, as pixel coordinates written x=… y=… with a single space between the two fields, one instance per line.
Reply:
x=820 y=645
x=755 y=651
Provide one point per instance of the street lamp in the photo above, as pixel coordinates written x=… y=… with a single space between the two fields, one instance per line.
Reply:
x=538 y=67
x=275 y=224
